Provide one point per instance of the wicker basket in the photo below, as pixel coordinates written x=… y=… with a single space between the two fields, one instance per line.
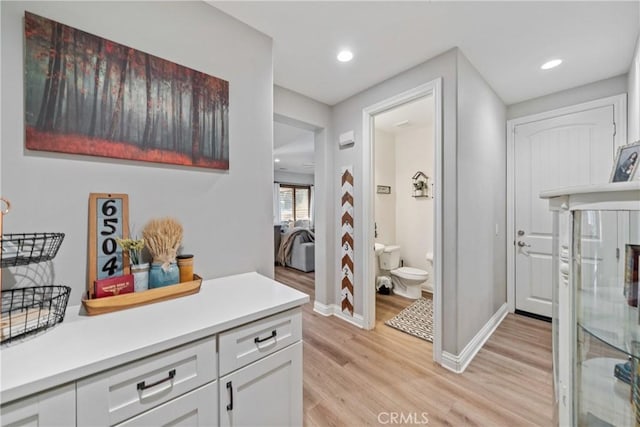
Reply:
x=30 y=310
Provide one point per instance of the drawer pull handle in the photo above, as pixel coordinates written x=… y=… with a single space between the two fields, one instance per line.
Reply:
x=259 y=340
x=230 y=388
x=143 y=386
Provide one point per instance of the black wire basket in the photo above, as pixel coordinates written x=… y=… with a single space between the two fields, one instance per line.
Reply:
x=30 y=310
x=27 y=248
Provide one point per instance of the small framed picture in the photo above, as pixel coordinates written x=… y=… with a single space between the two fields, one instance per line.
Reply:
x=631 y=263
x=626 y=163
x=383 y=189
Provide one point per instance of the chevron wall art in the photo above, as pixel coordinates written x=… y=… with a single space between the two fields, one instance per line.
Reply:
x=346 y=260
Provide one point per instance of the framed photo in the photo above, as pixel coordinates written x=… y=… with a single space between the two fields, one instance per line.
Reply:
x=626 y=163
x=631 y=263
x=383 y=189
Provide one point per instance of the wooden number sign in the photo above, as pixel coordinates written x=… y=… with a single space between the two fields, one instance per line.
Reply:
x=108 y=220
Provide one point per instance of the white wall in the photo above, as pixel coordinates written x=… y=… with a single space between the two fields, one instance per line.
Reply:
x=589 y=92
x=299 y=110
x=414 y=215
x=481 y=240
x=474 y=186
x=227 y=233
x=347 y=115
x=633 y=101
x=385 y=174
x=283 y=177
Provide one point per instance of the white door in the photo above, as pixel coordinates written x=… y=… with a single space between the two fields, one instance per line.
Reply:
x=569 y=150
x=265 y=393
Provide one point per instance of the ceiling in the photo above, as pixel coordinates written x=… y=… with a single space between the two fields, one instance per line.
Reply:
x=294 y=148
x=413 y=115
x=507 y=41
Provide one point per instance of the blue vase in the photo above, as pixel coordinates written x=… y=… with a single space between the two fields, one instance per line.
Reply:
x=159 y=278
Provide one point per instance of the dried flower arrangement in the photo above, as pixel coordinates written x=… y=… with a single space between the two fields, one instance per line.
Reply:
x=163 y=238
x=134 y=247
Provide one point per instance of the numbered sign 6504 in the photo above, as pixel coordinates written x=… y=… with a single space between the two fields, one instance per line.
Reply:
x=108 y=220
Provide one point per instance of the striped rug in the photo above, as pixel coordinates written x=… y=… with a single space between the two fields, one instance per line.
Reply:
x=416 y=320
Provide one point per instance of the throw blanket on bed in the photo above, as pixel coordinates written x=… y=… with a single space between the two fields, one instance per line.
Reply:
x=284 y=252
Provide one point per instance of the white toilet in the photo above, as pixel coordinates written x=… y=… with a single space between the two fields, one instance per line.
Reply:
x=407 y=281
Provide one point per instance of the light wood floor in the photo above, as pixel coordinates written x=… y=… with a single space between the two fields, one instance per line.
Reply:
x=354 y=377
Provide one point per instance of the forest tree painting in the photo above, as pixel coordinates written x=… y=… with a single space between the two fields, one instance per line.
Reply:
x=88 y=95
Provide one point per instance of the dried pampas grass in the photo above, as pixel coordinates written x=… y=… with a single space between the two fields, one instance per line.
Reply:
x=163 y=237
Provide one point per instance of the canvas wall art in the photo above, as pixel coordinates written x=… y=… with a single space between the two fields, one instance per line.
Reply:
x=88 y=95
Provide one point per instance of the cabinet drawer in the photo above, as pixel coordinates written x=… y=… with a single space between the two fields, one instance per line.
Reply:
x=245 y=344
x=121 y=393
x=55 y=407
x=196 y=408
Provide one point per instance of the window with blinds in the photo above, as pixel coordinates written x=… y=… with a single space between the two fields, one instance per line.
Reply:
x=295 y=203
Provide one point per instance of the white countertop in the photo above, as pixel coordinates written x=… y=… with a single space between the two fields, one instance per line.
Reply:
x=594 y=188
x=84 y=345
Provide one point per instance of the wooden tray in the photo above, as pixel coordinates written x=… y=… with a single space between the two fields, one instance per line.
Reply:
x=136 y=299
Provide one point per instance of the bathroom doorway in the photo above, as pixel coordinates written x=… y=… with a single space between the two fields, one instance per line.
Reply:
x=402 y=187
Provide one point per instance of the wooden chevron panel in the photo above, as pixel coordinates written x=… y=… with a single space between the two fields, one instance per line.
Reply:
x=347 y=261
x=347 y=218
x=346 y=283
x=346 y=221
x=347 y=176
x=346 y=238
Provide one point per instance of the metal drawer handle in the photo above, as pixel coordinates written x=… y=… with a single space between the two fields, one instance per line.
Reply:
x=143 y=386
x=230 y=388
x=259 y=340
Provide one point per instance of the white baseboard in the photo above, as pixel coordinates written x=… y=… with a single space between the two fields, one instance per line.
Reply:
x=322 y=309
x=458 y=363
x=334 y=310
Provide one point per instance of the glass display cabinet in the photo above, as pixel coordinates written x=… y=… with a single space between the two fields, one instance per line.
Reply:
x=596 y=257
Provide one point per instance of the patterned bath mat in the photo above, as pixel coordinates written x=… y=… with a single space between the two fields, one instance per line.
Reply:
x=416 y=320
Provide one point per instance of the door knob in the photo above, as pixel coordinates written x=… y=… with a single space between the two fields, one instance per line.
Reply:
x=523 y=244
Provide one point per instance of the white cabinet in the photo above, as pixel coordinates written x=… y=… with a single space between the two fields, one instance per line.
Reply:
x=194 y=409
x=596 y=338
x=261 y=372
x=56 y=407
x=245 y=344
x=265 y=393
x=121 y=393
x=158 y=371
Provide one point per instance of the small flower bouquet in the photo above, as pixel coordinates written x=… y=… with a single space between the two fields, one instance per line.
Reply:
x=134 y=247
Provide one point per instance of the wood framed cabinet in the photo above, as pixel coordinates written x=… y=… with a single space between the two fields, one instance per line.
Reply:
x=596 y=330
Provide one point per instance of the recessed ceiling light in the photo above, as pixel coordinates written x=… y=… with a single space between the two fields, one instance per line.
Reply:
x=276 y=160
x=401 y=123
x=551 y=64
x=345 y=55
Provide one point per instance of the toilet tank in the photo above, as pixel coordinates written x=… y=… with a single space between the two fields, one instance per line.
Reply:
x=390 y=258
